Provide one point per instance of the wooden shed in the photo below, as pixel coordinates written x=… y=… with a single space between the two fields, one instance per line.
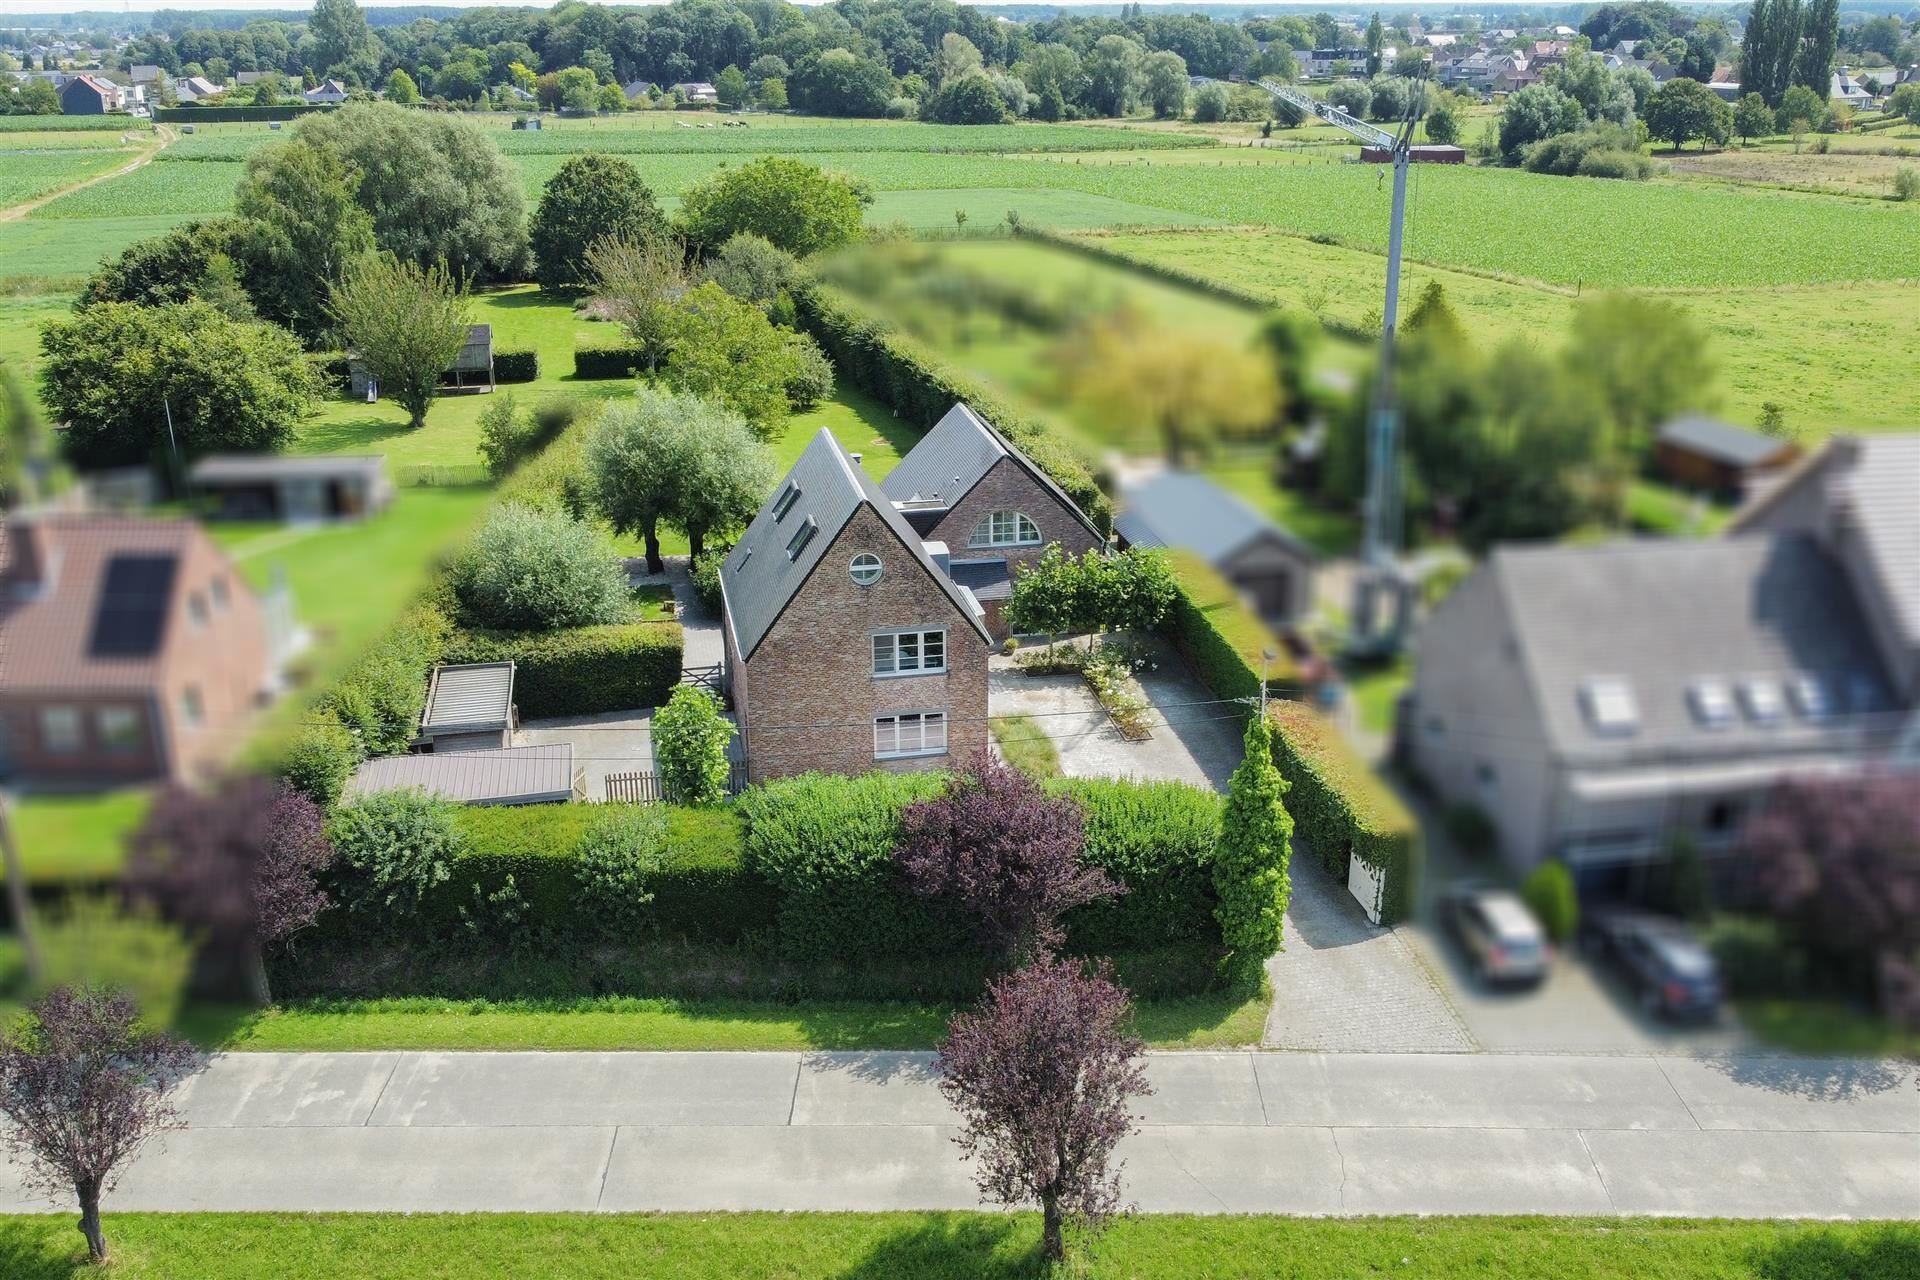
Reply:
x=1702 y=453
x=473 y=367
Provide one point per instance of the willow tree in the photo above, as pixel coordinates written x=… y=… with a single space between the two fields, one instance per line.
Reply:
x=406 y=323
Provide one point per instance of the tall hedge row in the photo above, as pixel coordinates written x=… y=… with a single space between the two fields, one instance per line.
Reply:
x=580 y=671
x=918 y=387
x=1221 y=637
x=1341 y=808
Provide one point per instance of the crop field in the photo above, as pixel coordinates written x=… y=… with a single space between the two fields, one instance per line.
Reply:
x=64 y=251
x=29 y=173
x=58 y=140
x=89 y=124
x=1763 y=339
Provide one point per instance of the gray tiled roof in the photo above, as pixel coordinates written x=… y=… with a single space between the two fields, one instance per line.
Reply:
x=1721 y=441
x=956 y=455
x=255 y=467
x=1663 y=614
x=758 y=578
x=469 y=696
x=1181 y=510
x=1883 y=487
x=987 y=579
x=509 y=775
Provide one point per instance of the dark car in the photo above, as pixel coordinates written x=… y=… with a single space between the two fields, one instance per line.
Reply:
x=1667 y=969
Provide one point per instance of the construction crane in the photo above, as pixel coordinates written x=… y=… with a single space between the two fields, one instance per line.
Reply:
x=1383 y=596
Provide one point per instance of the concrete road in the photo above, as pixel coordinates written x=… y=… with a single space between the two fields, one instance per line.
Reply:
x=1241 y=1133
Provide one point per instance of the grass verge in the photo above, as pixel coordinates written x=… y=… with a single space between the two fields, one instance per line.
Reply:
x=1826 y=1027
x=1025 y=745
x=949 y=1246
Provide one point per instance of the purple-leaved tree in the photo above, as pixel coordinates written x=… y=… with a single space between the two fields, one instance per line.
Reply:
x=1042 y=1073
x=1840 y=859
x=1005 y=853
x=82 y=1086
x=238 y=864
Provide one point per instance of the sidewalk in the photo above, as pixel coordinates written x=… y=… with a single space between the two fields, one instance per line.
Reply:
x=1239 y=1133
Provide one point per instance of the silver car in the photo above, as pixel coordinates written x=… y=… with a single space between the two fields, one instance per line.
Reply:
x=1502 y=941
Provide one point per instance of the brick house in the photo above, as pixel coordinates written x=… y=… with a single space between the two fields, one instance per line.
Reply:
x=965 y=485
x=133 y=650
x=849 y=644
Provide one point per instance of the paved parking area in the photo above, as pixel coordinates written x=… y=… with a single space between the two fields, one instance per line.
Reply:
x=1221 y=1132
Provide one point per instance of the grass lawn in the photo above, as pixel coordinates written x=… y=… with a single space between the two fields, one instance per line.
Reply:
x=1661 y=509
x=988 y=206
x=951 y=1246
x=1823 y=1027
x=1375 y=689
x=615 y=1022
x=1025 y=745
x=1251 y=477
x=76 y=837
x=1760 y=336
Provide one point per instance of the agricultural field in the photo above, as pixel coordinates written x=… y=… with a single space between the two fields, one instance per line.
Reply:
x=1763 y=339
x=34 y=171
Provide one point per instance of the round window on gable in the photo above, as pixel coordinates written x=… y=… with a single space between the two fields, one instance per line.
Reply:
x=865 y=569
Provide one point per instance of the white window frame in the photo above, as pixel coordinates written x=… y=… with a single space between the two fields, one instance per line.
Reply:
x=70 y=735
x=1019 y=530
x=855 y=566
x=890 y=734
x=920 y=636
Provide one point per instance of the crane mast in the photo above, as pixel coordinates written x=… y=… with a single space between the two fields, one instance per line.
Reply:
x=1383 y=597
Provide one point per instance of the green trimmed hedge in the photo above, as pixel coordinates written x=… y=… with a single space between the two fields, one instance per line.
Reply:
x=1341 y=809
x=917 y=386
x=607 y=361
x=701 y=891
x=582 y=670
x=519 y=364
x=236 y=114
x=825 y=845
x=380 y=697
x=1223 y=638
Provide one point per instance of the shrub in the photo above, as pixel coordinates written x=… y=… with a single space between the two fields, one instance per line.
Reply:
x=706 y=576
x=380 y=697
x=616 y=863
x=516 y=364
x=505 y=437
x=753 y=269
x=825 y=846
x=690 y=738
x=1250 y=870
x=390 y=850
x=1159 y=840
x=581 y=671
x=1605 y=162
x=1756 y=958
x=1210 y=104
x=1550 y=895
x=608 y=360
x=533 y=570
x=810 y=379
x=1341 y=809
x=1471 y=830
x=1906 y=183
x=1681 y=884
x=320 y=757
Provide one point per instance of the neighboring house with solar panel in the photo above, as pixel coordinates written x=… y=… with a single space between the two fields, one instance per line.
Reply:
x=130 y=650
x=966 y=486
x=1595 y=701
x=851 y=643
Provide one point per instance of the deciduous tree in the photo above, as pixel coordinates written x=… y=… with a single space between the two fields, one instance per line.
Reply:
x=798 y=206
x=302 y=202
x=690 y=739
x=593 y=197
x=83 y=1087
x=1188 y=388
x=727 y=351
x=1043 y=1073
x=405 y=323
x=1003 y=853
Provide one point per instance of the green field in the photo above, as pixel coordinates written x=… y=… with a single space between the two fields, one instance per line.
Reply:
x=32 y=172
x=952 y=1246
x=1764 y=339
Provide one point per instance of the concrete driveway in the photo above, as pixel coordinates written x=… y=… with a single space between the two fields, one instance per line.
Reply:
x=1220 y=1133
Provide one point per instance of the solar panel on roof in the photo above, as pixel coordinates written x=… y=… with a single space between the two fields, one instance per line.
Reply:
x=131 y=614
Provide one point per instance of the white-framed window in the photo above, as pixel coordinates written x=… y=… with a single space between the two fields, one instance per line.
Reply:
x=60 y=729
x=1005 y=529
x=910 y=733
x=909 y=653
x=865 y=569
x=192 y=708
x=118 y=728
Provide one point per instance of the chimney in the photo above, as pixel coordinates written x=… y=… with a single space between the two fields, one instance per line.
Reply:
x=856 y=458
x=941 y=557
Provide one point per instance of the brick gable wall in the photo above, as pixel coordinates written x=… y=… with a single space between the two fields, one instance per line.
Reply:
x=807 y=696
x=1008 y=487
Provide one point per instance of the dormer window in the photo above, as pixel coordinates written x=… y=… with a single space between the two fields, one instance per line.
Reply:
x=1005 y=529
x=1762 y=700
x=1711 y=701
x=801 y=537
x=784 y=503
x=1610 y=706
x=1810 y=697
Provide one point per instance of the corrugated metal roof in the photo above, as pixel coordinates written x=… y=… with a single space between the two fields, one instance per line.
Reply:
x=1178 y=509
x=759 y=576
x=510 y=775
x=246 y=467
x=1883 y=487
x=476 y=695
x=1662 y=615
x=1720 y=441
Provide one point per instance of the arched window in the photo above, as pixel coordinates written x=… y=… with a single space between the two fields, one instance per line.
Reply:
x=1005 y=529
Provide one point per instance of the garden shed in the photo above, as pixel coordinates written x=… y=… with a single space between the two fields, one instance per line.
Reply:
x=469 y=708
x=244 y=486
x=506 y=775
x=473 y=367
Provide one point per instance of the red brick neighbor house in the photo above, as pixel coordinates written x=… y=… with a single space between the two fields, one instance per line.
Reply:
x=130 y=650
x=850 y=646
x=966 y=486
